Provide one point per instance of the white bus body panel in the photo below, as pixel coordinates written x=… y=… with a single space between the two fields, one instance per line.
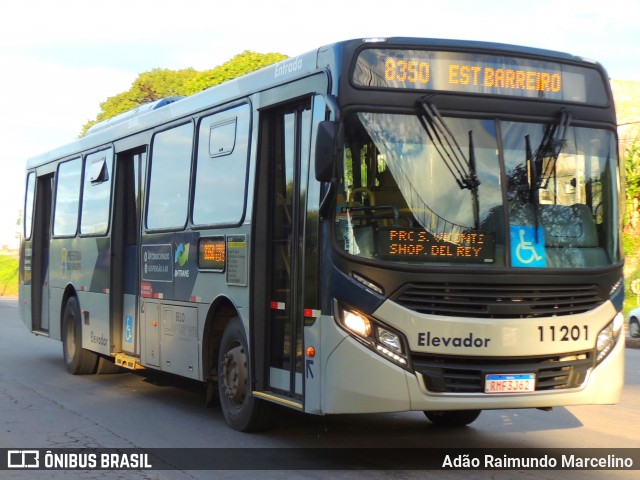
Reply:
x=495 y=337
x=357 y=380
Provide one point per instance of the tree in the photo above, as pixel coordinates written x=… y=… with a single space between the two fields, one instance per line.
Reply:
x=241 y=64
x=161 y=83
x=632 y=171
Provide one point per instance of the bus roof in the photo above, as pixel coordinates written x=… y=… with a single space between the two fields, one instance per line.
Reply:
x=486 y=46
x=162 y=111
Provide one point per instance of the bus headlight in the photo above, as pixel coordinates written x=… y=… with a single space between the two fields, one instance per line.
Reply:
x=390 y=345
x=390 y=339
x=357 y=323
x=608 y=336
x=381 y=339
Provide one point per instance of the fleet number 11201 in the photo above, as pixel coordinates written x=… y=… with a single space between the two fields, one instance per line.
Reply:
x=565 y=333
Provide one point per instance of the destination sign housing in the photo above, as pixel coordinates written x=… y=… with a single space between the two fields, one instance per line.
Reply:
x=478 y=73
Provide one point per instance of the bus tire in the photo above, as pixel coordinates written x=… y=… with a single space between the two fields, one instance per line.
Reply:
x=242 y=411
x=107 y=367
x=79 y=361
x=453 y=418
x=634 y=327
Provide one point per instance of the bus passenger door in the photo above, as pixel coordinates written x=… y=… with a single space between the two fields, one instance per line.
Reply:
x=40 y=256
x=125 y=242
x=280 y=219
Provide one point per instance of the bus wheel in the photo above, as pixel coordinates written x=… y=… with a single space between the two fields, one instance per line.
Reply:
x=634 y=327
x=453 y=418
x=79 y=361
x=241 y=410
x=107 y=367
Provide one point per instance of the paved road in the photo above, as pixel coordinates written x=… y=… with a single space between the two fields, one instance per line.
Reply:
x=42 y=406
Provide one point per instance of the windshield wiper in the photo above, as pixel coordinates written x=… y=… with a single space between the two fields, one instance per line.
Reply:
x=445 y=143
x=534 y=190
x=463 y=169
x=555 y=136
x=553 y=140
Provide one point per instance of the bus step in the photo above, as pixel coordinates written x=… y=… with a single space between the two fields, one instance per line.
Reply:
x=277 y=398
x=128 y=362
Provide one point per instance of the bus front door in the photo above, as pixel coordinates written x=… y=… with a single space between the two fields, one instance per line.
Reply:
x=279 y=279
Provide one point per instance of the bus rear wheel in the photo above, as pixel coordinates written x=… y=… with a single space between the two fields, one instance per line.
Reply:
x=241 y=409
x=107 y=367
x=79 y=361
x=453 y=418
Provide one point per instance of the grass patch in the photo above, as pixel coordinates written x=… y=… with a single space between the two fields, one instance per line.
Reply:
x=8 y=276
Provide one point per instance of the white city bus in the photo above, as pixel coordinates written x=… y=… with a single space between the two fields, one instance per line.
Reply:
x=378 y=225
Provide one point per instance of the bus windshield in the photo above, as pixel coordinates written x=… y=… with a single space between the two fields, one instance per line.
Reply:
x=477 y=191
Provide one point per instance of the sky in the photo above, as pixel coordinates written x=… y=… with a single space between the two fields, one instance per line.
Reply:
x=60 y=59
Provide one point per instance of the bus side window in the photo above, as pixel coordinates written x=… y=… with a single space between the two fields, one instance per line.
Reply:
x=169 y=183
x=65 y=220
x=28 y=205
x=96 y=196
x=221 y=167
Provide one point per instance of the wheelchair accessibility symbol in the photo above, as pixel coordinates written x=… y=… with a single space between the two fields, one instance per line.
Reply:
x=527 y=248
x=128 y=329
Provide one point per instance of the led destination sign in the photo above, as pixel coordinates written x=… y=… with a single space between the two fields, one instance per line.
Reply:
x=477 y=73
x=212 y=253
x=408 y=244
x=418 y=73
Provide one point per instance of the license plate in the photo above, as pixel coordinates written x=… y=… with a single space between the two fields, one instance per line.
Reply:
x=511 y=383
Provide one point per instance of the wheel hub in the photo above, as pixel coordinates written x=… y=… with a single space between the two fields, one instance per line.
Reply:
x=234 y=374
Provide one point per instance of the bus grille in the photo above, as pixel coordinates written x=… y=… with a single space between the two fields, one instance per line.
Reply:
x=498 y=301
x=466 y=375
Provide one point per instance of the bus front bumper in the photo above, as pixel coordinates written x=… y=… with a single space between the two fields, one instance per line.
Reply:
x=356 y=380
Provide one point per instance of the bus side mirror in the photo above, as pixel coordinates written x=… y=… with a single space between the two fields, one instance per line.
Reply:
x=326 y=137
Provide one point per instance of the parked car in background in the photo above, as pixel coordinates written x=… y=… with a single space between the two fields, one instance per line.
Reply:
x=634 y=322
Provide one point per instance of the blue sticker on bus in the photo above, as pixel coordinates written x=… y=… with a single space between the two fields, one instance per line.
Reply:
x=128 y=329
x=527 y=247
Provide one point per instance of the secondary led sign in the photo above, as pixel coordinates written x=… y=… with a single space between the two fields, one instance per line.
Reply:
x=212 y=253
x=419 y=245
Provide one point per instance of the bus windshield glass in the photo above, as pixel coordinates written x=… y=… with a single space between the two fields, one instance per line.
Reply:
x=425 y=189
